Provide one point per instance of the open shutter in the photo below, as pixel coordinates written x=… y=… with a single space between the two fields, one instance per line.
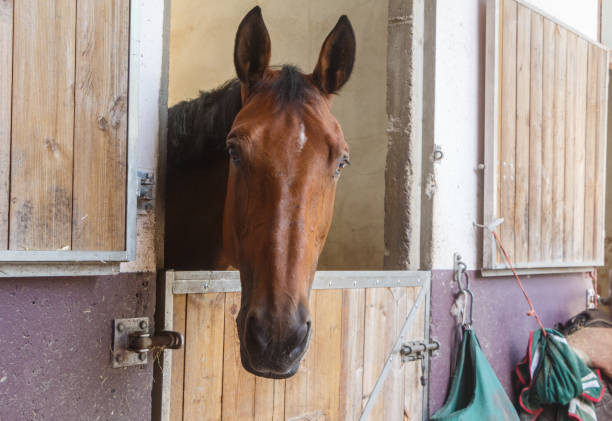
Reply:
x=545 y=143
x=65 y=145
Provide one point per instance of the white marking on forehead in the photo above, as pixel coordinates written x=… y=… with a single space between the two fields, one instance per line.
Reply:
x=301 y=138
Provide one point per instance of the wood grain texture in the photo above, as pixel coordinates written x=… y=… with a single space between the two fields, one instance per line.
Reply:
x=6 y=84
x=558 y=183
x=600 y=157
x=523 y=86
x=351 y=359
x=508 y=127
x=238 y=402
x=385 y=313
x=42 y=125
x=100 y=132
x=535 y=137
x=548 y=93
x=204 y=357
x=580 y=148
x=570 y=142
x=590 y=150
x=178 y=359
x=264 y=399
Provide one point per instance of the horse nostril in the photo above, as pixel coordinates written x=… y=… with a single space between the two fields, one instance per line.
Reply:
x=298 y=341
x=256 y=334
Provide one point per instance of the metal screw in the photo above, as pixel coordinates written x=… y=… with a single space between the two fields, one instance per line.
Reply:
x=143 y=324
x=119 y=358
x=120 y=327
x=330 y=283
x=142 y=356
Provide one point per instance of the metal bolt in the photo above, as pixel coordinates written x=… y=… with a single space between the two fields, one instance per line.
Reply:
x=142 y=356
x=119 y=358
x=330 y=283
x=355 y=283
x=120 y=327
x=143 y=324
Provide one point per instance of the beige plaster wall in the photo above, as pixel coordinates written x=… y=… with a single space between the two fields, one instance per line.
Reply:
x=201 y=58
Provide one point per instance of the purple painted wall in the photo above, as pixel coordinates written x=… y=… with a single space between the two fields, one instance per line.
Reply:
x=55 y=341
x=500 y=319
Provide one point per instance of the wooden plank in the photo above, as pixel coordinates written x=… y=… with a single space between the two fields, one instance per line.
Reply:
x=264 y=399
x=548 y=93
x=327 y=352
x=570 y=142
x=523 y=86
x=351 y=361
x=580 y=148
x=535 y=137
x=238 y=401
x=100 y=132
x=600 y=158
x=384 y=315
x=6 y=84
x=559 y=143
x=42 y=127
x=590 y=150
x=508 y=127
x=178 y=359
x=279 y=400
x=204 y=357
x=413 y=403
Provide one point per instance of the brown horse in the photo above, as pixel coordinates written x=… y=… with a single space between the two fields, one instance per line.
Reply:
x=286 y=152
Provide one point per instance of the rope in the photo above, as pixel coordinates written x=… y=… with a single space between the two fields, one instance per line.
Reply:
x=532 y=311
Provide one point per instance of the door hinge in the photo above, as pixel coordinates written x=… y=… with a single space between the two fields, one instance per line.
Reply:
x=415 y=350
x=146 y=183
x=132 y=341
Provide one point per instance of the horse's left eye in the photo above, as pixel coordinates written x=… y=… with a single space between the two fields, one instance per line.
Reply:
x=234 y=153
x=343 y=163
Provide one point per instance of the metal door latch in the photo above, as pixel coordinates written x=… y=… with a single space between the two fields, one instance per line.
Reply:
x=132 y=341
x=415 y=350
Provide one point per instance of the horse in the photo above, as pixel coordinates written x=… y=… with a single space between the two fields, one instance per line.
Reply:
x=252 y=172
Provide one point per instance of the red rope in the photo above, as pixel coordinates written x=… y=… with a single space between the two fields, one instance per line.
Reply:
x=532 y=311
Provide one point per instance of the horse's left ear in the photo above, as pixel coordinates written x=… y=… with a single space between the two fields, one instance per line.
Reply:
x=252 y=48
x=336 y=58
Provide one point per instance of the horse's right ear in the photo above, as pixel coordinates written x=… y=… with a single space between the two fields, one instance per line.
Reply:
x=252 y=49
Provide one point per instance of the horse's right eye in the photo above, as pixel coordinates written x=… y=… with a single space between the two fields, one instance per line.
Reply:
x=234 y=153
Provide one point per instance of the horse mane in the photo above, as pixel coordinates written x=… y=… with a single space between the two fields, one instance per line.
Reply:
x=197 y=128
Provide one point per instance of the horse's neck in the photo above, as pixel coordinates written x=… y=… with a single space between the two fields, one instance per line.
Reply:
x=197 y=178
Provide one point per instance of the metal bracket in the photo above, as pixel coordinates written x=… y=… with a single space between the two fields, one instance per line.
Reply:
x=416 y=350
x=146 y=182
x=591 y=298
x=132 y=341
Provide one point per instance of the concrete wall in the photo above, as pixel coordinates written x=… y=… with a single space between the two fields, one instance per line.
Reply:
x=455 y=191
x=56 y=332
x=201 y=58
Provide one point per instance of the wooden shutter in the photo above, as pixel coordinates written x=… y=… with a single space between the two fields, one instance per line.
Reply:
x=545 y=146
x=64 y=130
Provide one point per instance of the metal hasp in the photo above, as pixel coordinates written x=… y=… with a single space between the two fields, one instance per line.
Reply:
x=146 y=181
x=415 y=350
x=132 y=341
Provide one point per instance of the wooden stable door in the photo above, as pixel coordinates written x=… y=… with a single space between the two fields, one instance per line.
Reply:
x=355 y=329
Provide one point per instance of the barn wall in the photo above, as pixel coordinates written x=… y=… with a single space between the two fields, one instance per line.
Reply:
x=56 y=332
x=201 y=58
x=454 y=189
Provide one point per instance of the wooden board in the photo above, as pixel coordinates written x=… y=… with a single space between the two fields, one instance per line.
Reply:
x=6 y=82
x=100 y=132
x=552 y=115
x=204 y=339
x=330 y=384
x=42 y=125
x=178 y=359
x=508 y=128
